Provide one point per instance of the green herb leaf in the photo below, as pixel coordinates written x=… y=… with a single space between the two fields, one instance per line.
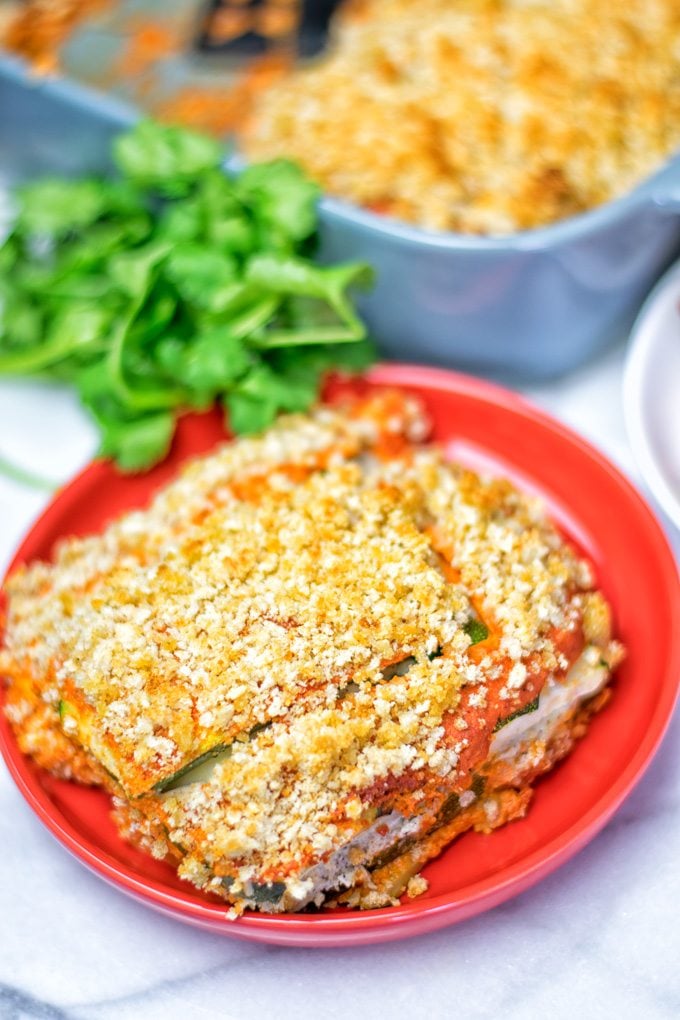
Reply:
x=287 y=393
x=173 y=286
x=294 y=277
x=22 y=327
x=282 y=198
x=164 y=158
x=53 y=208
x=80 y=324
x=215 y=361
x=138 y=444
x=249 y=414
x=201 y=275
x=132 y=270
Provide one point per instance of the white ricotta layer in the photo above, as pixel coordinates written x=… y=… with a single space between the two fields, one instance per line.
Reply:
x=587 y=676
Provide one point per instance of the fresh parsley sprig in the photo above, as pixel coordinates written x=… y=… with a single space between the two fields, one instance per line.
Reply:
x=175 y=285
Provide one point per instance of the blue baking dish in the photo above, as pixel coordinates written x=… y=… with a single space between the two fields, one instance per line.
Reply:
x=526 y=307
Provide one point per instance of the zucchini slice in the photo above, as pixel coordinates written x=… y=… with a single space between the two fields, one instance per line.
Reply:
x=198 y=769
x=530 y=707
x=195 y=771
x=400 y=668
x=260 y=892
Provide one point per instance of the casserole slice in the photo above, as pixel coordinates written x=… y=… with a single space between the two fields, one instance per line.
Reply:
x=304 y=686
x=360 y=796
x=175 y=632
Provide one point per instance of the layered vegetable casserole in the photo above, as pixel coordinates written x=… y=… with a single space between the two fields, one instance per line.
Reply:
x=319 y=656
x=482 y=116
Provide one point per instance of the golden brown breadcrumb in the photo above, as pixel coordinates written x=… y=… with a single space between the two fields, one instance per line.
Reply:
x=482 y=116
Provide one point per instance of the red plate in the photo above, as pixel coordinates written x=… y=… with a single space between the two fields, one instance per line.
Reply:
x=490 y=428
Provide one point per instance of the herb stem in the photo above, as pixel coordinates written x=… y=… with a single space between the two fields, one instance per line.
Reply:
x=35 y=360
x=28 y=478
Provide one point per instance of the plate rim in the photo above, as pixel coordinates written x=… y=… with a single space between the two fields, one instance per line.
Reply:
x=417 y=916
x=641 y=341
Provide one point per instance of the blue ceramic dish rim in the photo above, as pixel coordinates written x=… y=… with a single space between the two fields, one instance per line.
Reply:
x=661 y=189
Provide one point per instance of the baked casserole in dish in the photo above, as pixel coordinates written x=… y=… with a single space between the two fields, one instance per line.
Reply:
x=522 y=154
x=482 y=116
x=319 y=656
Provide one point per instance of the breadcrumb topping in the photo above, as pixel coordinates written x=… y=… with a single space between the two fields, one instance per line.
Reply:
x=483 y=116
x=214 y=604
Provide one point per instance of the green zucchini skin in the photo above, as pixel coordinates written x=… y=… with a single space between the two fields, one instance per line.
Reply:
x=262 y=892
x=219 y=752
x=268 y=892
x=476 y=630
x=478 y=784
x=270 y=895
x=175 y=780
x=449 y=809
x=530 y=707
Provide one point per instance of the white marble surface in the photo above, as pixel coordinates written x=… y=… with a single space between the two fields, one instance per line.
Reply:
x=598 y=939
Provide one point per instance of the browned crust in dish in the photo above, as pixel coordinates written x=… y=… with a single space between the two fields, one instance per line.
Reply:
x=483 y=116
